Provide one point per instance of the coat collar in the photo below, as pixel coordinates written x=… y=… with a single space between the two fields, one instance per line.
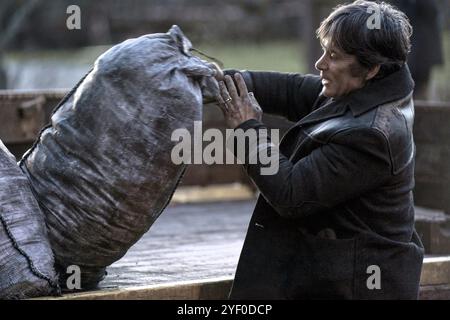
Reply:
x=393 y=87
x=390 y=88
x=329 y=108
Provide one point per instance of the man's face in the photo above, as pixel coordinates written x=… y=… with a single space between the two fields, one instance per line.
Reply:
x=340 y=72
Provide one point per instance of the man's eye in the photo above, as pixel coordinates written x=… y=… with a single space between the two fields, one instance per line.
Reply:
x=332 y=55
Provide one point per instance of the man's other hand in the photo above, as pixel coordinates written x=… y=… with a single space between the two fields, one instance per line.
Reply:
x=237 y=107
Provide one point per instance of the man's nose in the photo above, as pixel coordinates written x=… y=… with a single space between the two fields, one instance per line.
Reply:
x=321 y=64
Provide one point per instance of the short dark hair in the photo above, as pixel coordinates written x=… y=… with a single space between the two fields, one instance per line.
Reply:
x=347 y=28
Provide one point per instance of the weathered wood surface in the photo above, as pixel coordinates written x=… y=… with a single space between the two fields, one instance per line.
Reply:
x=200 y=241
x=192 y=251
x=433 y=227
x=216 y=288
x=204 y=290
x=188 y=242
x=24 y=113
x=432 y=137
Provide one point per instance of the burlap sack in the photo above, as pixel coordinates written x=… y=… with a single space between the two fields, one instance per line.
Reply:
x=102 y=171
x=26 y=260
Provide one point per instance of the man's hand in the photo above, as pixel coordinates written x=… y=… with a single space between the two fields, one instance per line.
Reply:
x=237 y=107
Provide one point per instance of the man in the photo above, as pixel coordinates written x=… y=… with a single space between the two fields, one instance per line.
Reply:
x=336 y=221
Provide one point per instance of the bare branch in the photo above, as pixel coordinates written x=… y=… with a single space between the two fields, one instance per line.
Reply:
x=16 y=21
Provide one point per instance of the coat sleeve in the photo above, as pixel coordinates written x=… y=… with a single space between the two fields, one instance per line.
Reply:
x=290 y=95
x=354 y=162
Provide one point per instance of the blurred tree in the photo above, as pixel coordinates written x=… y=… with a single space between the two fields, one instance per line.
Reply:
x=314 y=12
x=426 y=41
x=11 y=26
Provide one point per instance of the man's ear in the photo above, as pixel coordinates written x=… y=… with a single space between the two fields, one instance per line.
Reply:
x=372 y=72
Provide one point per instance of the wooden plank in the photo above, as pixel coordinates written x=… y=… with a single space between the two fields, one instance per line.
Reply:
x=435 y=284
x=432 y=194
x=188 y=242
x=20 y=94
x=203 y=174
x=433 y=227
x=431 y=124
x=436 y=292
x=212 y=193
x=433 y=161
x=432 y=170
x=436 y=271
x=189 y=290
x=431 y=104
x=24 y=113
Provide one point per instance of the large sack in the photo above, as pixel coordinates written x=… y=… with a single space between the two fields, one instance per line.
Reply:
x=102 y=171
x=26 y=260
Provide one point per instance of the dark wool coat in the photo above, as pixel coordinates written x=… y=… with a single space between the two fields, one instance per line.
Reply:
x=340 y=210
